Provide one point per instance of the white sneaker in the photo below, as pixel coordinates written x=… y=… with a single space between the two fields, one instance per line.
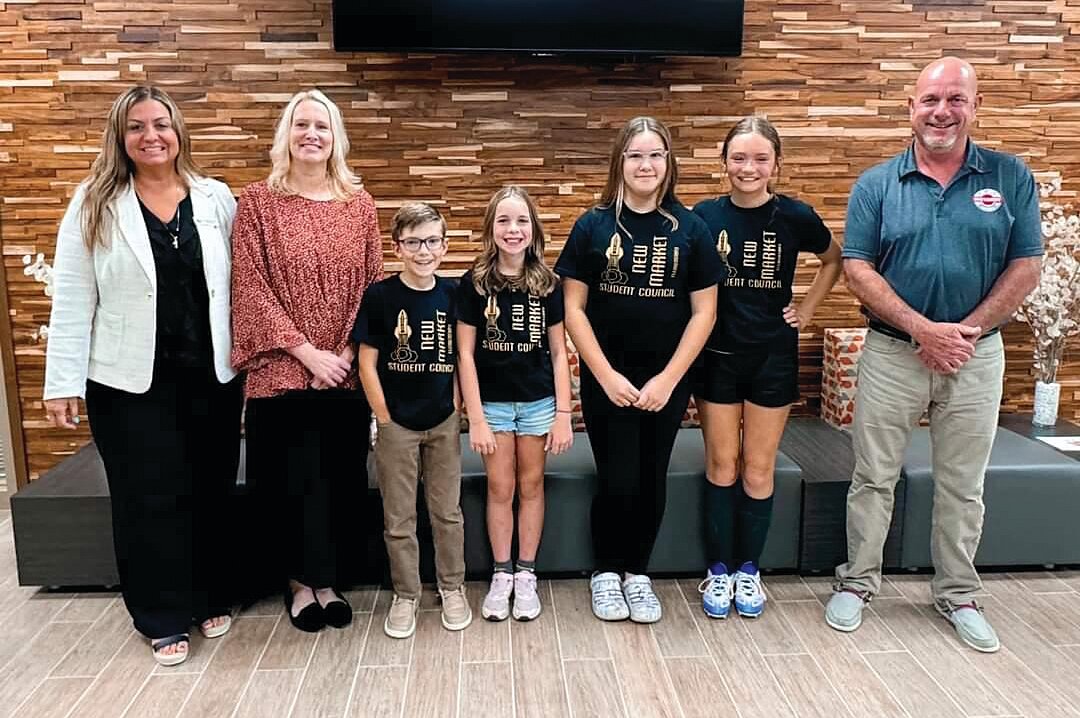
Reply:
x=643 y=603
x=608 y=602
x=526 y=600
x=497 y=601
x=749 y=595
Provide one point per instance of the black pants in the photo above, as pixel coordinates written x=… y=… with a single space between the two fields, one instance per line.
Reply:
x=307 y=468
x=171 y=457
x=632 y=449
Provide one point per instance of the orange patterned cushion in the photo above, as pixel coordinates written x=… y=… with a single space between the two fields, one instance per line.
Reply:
x=839 y=374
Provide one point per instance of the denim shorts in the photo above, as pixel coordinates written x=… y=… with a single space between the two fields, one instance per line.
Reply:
x=530 y=418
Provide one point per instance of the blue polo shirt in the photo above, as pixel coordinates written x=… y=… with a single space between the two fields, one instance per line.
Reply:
x=942 y=249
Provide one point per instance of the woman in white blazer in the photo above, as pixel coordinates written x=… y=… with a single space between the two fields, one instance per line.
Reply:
x=140 y=330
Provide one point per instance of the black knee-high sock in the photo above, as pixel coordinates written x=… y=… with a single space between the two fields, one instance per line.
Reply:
x=720 y=524
x=752 y=528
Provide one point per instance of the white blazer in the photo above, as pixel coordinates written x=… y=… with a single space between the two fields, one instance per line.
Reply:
x=104 y=310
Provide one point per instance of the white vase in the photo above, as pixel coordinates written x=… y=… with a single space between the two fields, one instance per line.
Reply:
x=1046 y=403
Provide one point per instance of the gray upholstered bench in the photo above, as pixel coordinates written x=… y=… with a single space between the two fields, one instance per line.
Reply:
x=63 y=525
x=1032 y=493
x=827 y=460
x=680 y=547
x=63 y=533
x=570 y=483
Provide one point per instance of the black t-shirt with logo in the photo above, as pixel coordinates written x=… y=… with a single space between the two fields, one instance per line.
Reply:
x=640 y=277
x=513 y=360
x=414 y=333
x=759 y=248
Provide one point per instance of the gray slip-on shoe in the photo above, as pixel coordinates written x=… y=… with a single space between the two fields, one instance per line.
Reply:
x=844 y=610
x=970 y=624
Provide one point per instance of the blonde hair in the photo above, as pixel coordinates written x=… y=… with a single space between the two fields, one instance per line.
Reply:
x=112 y=170
x=413 y=214
x=536 y=278
x=615 y=189
x=343 y=182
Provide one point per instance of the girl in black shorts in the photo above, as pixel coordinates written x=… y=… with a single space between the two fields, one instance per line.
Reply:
x=640 y=276
x=750 y=375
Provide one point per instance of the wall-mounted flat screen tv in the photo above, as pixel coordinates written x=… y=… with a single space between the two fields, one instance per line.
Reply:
x=627 y=27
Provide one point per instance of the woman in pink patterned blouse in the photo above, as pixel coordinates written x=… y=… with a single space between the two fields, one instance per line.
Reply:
x=306 y=245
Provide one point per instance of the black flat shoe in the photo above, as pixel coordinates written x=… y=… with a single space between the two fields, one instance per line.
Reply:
x=337 y=613
x=311 y=619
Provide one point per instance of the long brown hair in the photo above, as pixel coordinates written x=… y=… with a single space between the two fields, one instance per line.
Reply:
x=615 y=189
x=536 y=278
x=755 y=125
x=112 y=170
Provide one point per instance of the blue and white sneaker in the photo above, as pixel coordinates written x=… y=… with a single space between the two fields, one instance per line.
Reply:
x=716 y=591
x=749 y=595
x=608 y=602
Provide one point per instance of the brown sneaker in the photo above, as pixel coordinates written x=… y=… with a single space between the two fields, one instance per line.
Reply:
x=456 y=613
x=401 y=619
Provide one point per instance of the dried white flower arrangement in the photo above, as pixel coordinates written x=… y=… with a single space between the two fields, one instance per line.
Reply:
x=1052 y=310
x=42 y=272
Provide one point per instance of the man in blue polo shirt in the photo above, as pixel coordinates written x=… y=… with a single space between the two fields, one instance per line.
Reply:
x=942 y=243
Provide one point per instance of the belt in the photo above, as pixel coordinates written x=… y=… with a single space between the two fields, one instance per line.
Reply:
x=889 y=331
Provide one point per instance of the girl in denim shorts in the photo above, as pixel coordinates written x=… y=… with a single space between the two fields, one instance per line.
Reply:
x=516 y=385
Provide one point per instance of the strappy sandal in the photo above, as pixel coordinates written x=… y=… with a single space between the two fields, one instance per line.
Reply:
x=171 y=659
x=215 y=631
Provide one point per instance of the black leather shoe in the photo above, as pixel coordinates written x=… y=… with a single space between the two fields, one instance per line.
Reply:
x=311 y=619
x=337 y=613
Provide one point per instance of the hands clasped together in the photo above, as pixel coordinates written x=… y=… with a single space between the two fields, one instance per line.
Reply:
x=944 y=347
x=327 y=368
x=653 y=396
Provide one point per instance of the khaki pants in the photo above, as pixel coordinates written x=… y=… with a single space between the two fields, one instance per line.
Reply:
x=894 y=390
x=403 y=458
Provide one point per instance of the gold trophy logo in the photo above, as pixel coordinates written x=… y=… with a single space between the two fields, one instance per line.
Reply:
x=723 y=248
x=403 y=352
x=614 y=275
x=491 y=313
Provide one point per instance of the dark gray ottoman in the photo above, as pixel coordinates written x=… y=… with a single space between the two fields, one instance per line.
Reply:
x=827 y=461
x=1032 y=493
x=569 y=485
x=63 y=525
x=680 y=547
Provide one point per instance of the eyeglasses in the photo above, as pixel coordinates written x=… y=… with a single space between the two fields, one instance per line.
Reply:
x=654 y=157
x=412 y=244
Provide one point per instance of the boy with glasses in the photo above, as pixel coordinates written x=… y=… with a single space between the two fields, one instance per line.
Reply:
x=405 y=332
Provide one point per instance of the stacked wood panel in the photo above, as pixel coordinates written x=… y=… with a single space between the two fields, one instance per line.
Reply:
x=833 y=75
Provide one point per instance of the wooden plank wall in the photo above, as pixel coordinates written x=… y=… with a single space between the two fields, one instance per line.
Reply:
x=832 y=74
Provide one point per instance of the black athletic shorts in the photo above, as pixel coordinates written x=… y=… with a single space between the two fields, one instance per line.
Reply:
x=766 y=375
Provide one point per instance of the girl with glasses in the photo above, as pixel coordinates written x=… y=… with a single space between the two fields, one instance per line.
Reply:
x=639 y=277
